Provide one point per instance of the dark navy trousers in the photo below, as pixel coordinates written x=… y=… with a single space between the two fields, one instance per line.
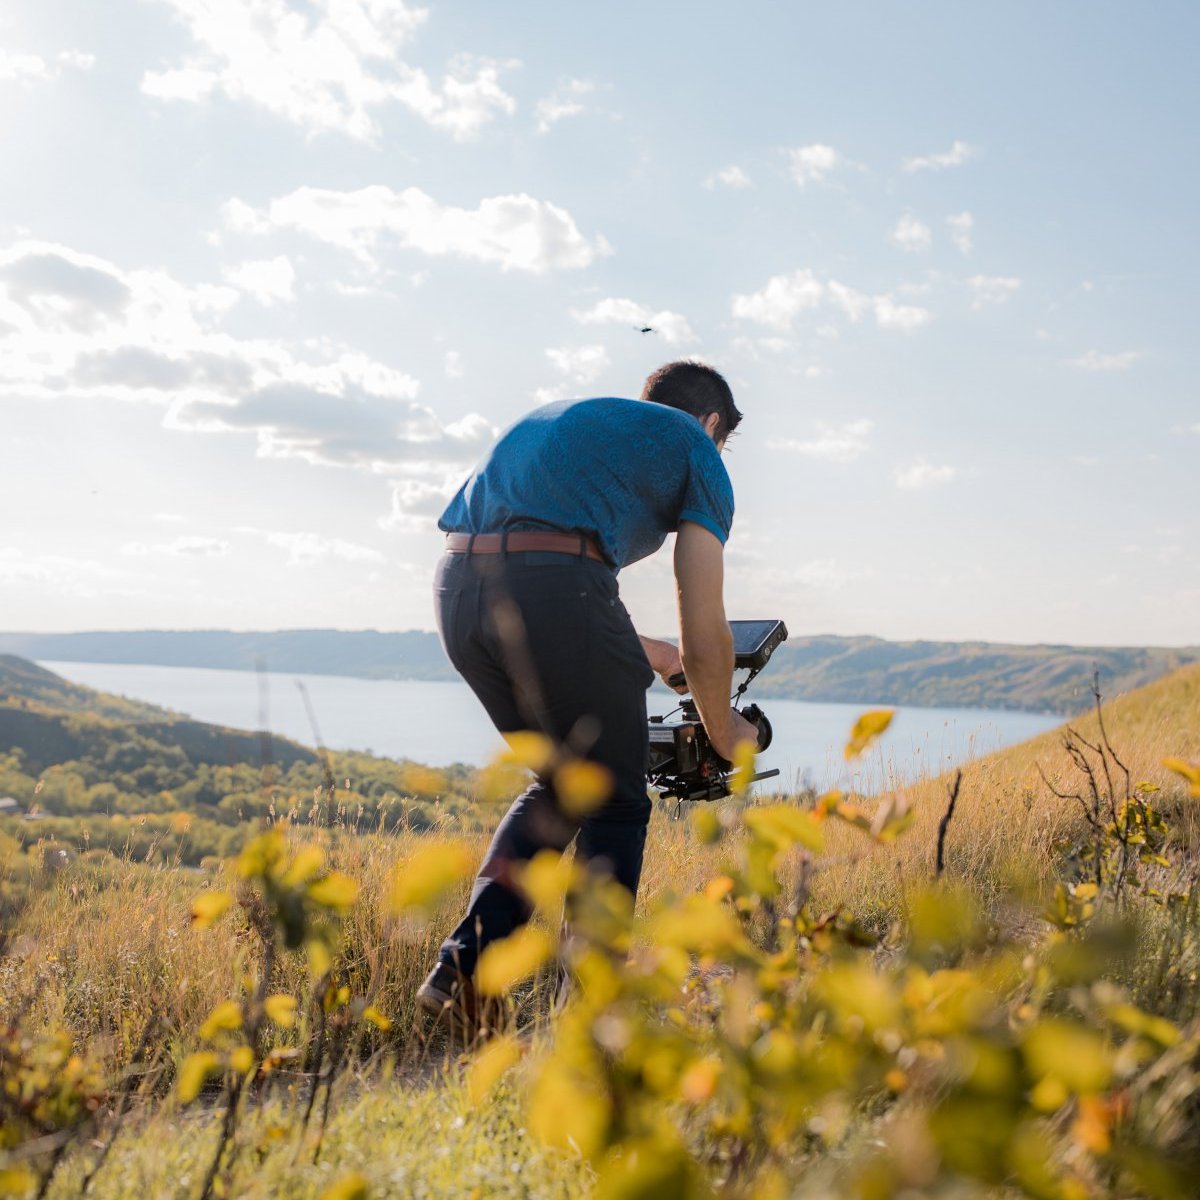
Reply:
x=546 y=644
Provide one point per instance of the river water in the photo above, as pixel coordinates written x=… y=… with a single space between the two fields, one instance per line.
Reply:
x=442 y=723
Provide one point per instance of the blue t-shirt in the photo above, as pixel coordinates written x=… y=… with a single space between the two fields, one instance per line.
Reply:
x=624 y=472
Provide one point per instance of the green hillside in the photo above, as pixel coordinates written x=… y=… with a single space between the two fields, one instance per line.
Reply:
x=95 y=771
x=962 y=674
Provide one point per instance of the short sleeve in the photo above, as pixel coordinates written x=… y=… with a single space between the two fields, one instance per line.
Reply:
x=707 y=492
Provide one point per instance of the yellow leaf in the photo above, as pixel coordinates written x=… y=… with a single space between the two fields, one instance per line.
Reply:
x=262 y=856
x=319 y=959
x=335 y=997
x=784 y=825
x=242 y=1060
x=226 y=1016
x=281 y=1009
x=194 y=1073
x=349 y=1187
x=858 y=996
x=718 y=887
x=706 y=825
x=376 y=1018
x=336 y=891
x=582 y=786
x=866 y=729
x=308 y=863
x=1093 y=1125
x=1069 y=1053
x=1189 y=771
x=421 y=881
x=546 y=879
x=533 y=751
x=697 y=924
x=506 y=962
x=699 y=1081
x=489 y=1065
x=569 y=1109
x=743 y=767
x=208 y=906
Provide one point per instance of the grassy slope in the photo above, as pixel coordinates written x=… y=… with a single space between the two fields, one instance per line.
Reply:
x=105 y=947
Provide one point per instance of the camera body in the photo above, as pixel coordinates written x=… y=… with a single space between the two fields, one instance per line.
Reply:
x=682 y=762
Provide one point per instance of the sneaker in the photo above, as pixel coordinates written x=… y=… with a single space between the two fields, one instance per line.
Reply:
x=450 y=996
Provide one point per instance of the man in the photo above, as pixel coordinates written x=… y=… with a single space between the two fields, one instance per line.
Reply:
x=529 y=615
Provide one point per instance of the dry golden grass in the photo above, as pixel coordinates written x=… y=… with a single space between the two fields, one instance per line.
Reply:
x=107 y=944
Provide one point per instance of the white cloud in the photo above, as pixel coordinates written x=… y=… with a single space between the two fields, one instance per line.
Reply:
x=515 y=232
x=785 y=297
x=344 y=414
x=23 y=68
x=962 y=226
x=77 y=59
x=672 y=327
x=268 y=280
x=73 y=324
x=954 y=157
x=306 y=549
x=810 y=164
x=581 y=364
x=565 y=101
x=1093 y=360
x=417 y=503
x=991 y=289
x=902 y=317
x=911 y=234
x=782 y=299
x=833 y=443
x=452 y=365
x=923 y=475
x=326 y=69
x=730 y=177
x=18 y=67
x=181 y=547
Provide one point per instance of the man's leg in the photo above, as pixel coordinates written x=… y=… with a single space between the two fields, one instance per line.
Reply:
x=549 y=647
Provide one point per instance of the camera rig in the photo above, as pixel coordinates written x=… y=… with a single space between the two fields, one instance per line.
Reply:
x=682 y=762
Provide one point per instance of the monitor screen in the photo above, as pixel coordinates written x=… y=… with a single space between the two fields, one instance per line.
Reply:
x=749 y=635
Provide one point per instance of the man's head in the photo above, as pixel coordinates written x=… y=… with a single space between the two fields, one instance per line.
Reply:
x=695 y=388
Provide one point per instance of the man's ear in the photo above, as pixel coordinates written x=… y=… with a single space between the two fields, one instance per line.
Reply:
x=710 y=424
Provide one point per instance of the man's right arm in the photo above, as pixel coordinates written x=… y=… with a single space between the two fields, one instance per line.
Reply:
x=705 y=640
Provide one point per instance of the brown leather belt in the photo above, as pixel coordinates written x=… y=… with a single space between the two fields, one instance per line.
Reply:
x=523 y=539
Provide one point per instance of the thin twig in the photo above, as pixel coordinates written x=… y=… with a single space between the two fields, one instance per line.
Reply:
x=944 y=824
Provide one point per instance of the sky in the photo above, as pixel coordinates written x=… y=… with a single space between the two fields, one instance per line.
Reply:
x=274 y=273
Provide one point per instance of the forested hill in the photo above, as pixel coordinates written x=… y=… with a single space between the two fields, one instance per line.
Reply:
x=52 y=721
x=857 y=670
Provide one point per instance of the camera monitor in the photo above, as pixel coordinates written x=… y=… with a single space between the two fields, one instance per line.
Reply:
x=755 y=641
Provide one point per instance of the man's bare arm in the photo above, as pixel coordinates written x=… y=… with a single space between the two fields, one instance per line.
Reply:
x=705 y=640
x=664 y=659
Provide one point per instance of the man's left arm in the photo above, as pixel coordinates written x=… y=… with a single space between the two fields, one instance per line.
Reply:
x=664 y=659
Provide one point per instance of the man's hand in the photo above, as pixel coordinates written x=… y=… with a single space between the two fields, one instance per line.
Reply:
x=664 y=659
x=737 y=730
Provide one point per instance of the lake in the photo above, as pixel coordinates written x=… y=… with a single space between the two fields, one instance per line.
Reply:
x=442 y=723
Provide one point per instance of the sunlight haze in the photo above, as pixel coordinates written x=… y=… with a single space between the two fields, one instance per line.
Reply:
x=273 y=276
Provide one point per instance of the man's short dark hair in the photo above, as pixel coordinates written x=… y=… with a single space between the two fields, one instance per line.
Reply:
x=694 y=388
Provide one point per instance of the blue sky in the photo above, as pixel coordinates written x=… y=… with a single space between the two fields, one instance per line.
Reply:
x=272 y=274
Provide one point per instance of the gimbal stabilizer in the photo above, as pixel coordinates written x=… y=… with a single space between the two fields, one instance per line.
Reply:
x=682 y=762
